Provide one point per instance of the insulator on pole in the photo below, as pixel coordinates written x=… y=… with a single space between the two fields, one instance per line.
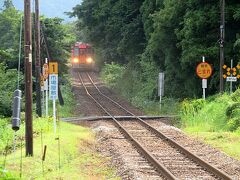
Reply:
x=16 y=115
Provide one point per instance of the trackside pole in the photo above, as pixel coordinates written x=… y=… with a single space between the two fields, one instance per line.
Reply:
x=43 y=100
x=54 y=117
x=53 y=90
x=46 y=61
x=161 y=88
x=204 y=82
x=231 y=83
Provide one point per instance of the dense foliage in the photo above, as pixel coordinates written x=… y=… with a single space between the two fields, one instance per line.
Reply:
x=217 y=113
x=163 y=35
x=59 y=38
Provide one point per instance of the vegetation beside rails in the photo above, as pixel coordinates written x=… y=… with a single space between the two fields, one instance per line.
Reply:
x=129 y=84
x=78 y=156
x=215 y=121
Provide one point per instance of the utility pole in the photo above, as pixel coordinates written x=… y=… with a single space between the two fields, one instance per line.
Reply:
x=37 y=60
x=28 y=77
x=222 y=39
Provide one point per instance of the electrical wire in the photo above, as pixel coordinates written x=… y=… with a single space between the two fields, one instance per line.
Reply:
x=20 y=50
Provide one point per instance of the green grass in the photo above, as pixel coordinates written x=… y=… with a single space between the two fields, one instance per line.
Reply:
x=213 y=115
x=214 y=121
x=228 y=142
x=79 y=159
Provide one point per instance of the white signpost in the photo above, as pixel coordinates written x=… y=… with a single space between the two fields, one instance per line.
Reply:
x=45 y=74
x=53 y=87
x=161 y=88
x=53 y=90
x=42 y=90
x=232 y=79
x=204 y=71
x=231 y=74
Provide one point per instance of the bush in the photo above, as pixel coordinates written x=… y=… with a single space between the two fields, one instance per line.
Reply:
x=233 y=123
x=192 y=106
x=4 y=174
x=8 y=79
x=111 y=73
x=217 y=113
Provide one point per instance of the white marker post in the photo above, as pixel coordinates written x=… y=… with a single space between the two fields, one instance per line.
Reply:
x=43 y=93
x=46 y=89
x=231 y=83
x=53 y=90
x=204 y=82
x=161 y=88
x=43 y=101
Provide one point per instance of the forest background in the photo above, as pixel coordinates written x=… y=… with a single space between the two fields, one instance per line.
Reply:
x=147 y=37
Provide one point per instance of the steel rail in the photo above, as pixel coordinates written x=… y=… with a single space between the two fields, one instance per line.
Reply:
x=151 y=159
x=173 y=143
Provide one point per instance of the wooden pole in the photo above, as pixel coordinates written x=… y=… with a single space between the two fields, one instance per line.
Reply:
x=222 y=39
x=37 y=60
x=28 y=77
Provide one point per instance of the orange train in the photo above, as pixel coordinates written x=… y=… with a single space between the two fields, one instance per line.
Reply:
x=83 y=57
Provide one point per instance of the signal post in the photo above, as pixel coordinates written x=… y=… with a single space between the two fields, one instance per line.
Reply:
x=204 y=71
x=53 y=89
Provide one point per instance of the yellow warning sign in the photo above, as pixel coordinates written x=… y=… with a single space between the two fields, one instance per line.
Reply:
x=42 y=81
x=45 y=71
x=53 y=68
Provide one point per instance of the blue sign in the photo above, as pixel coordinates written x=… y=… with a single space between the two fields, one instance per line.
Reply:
x=53 y=86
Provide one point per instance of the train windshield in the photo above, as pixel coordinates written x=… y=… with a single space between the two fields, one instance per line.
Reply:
x=76 y=52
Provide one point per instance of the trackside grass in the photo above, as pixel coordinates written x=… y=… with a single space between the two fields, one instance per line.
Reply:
x=78 y=157
x=228 y=142
x=215 y=121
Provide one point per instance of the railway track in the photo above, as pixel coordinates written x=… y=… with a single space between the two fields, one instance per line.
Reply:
x=169 y=159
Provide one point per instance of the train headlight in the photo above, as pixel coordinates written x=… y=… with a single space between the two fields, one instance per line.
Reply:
x=89 y=60
x=75 y=60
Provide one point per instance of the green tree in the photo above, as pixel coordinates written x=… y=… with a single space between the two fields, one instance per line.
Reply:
x=8 y=4
x=113 y=27
x=8 y=79
x=59 y=40
x=162 y=35
x=9 y=34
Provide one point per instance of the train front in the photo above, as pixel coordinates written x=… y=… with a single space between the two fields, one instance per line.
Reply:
x=82 y=57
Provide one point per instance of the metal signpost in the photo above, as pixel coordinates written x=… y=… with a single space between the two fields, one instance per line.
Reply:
x=53 y=89
x=45 y=75
x=231 y=74
x=204 y=71
x=161 y=88
x=42 y=90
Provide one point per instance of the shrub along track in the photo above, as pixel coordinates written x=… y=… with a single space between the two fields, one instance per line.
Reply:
x=176 y=161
